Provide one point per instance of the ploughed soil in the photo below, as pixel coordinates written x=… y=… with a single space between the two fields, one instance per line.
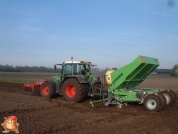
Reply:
x=38 y=115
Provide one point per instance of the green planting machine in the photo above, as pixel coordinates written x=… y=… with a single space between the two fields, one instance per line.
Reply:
x=116 y=87
x=121 y=86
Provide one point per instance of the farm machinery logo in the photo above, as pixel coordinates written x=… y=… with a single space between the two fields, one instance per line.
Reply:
x=10 y=124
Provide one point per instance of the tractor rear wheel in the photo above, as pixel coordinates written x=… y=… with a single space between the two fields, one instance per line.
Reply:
x=152 y=103
x=46 y=90
x=73 y=90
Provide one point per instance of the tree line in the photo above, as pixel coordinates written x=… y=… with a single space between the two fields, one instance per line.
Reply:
x=8 y=68
x=96 y=70
x=174 y=71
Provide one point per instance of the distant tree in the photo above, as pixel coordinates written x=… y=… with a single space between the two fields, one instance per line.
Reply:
x=7 y=68
x=174 y=69
x=177 y=72
x=106 y=69
x=114 y=68
x=95 y=70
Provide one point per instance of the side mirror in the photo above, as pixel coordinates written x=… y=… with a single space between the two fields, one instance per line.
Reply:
x=54 y=67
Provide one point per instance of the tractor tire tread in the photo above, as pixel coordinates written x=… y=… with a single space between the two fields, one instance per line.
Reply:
x=163 y=100
x=170 y=96
x=174 y=95
x=51 y=91
x=80 y=89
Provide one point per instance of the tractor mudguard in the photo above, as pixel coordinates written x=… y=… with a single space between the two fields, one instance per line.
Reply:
x=80 y=78
x=53 y=84
x=59 y=88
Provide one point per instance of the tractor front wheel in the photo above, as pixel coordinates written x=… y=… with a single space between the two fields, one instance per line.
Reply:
x=73 y=90
x=46 y=90
x=152 y=103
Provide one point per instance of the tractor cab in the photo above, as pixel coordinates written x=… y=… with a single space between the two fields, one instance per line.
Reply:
x=75 y=68
x=78 y=69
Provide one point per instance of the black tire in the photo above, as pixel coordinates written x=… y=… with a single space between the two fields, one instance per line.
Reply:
x=152 y=103
x=168 y=96
x=174 y=95
x=46 y=90
x=73 y=90
x=163 y=99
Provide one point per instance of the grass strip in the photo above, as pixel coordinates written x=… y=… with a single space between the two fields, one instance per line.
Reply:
x=176 y=91
x=15 y=80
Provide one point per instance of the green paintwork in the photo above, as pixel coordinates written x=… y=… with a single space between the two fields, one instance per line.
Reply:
x=56 y=78
x=125 y=95
x=92 y=79
x=133 y=74
x=125 y=79
x=92 y=102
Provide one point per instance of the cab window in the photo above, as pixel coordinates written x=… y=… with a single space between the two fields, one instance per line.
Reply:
x=68 y=69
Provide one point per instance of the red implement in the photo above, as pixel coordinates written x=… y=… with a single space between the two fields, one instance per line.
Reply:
x=31 y=87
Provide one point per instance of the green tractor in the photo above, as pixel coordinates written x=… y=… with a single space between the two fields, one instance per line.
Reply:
x=74 y=83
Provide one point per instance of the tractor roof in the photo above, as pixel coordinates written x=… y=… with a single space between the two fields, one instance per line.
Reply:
x=71 y=61
x=79 y=62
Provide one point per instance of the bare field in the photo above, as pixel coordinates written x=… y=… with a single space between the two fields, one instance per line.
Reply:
x=38 y=115
x=160 y=81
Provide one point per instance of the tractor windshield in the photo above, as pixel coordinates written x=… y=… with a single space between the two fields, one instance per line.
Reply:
x=81 y=69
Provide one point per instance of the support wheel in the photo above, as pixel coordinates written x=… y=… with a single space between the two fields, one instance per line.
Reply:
x=46 y=90
x=163 y=99
x=152 y=103
x=73 y=90
x=173 y=95
x=169 y=97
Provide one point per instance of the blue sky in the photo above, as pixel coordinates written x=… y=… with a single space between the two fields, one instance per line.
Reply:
x=109 y=33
